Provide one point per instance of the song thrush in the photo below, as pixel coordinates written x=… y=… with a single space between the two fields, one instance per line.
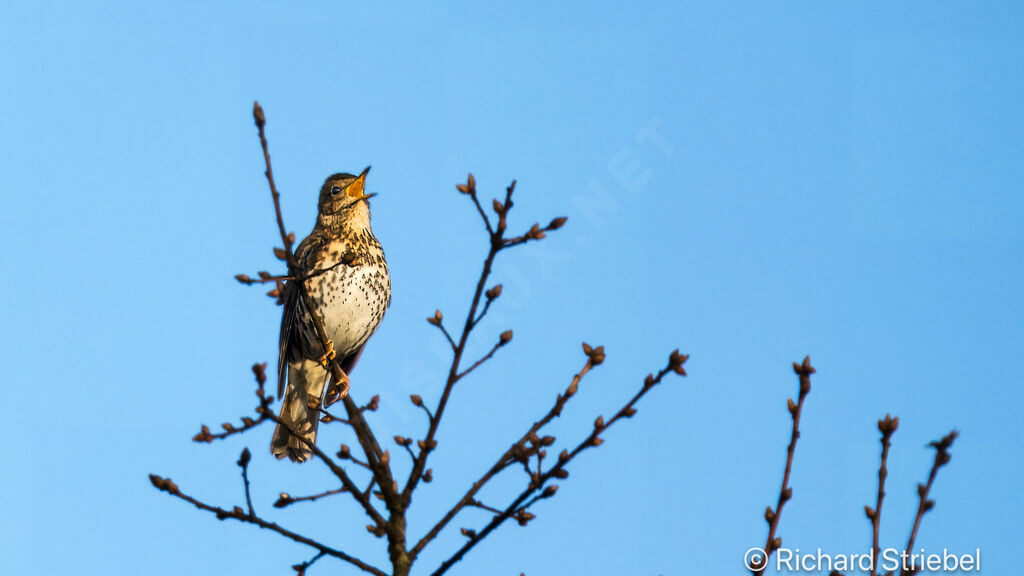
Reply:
x=343 y=268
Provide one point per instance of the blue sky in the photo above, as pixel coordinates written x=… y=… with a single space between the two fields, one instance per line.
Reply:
x=827 y=179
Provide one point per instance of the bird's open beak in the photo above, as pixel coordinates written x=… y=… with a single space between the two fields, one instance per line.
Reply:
x=357 y=189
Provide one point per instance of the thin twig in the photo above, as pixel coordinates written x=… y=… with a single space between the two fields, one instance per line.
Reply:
x=804 y=371
x=284 y=499
x=501 y=342
x=243 y=463
x=887 y=426
x=300 y=569
x=259 y=370
x=167 y=485
x=286 y=239
x=942 y=457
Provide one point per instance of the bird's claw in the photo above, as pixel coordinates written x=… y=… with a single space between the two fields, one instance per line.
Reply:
x=337 y=391
x=329 y=355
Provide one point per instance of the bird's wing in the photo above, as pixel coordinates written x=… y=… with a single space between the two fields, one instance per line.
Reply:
x=298 y=338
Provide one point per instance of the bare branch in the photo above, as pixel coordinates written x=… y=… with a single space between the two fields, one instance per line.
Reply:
x=887 y=426
x=504 y=339
x=300 y=569
x=505 y=459
x=167 y=485
x=243 y=463
x=436 y=320
x=497 y=244
x=338 y=471
x=469 y=188
x=284 y=499
x=924 y=505
x=286 y=238
x=518 y=506
x=260 y=372
x=804 y=371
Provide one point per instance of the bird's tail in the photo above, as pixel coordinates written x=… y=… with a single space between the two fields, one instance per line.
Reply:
x=300 y=411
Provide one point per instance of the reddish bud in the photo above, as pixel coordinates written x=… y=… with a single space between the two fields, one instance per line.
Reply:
x=257 y=115
x=260 y=370
x=888 y=425
x=204 y=435
x=676 y=361
x=804 y=368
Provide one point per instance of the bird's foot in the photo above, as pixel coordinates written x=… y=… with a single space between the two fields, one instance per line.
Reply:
x=329 y=355
x=337 y=390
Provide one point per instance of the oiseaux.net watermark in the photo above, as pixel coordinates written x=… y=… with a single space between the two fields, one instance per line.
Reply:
x=889 y=559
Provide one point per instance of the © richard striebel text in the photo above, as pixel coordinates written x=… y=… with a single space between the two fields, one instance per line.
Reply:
x=889 y=559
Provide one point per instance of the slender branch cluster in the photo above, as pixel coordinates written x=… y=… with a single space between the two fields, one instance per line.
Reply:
x=887 y=427
x=528 y=453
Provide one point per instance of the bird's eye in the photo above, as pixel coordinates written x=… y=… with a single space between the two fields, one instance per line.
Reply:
x=335 y=190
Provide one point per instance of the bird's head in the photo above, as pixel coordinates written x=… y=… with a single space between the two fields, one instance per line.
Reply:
x=342 y=193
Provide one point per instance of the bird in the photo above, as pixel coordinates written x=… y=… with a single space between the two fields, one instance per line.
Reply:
x=342 y=266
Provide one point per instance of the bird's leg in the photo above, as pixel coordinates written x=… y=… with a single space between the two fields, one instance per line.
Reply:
x=329 y=354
